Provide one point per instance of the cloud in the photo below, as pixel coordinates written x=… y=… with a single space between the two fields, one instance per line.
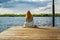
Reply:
x=32 y=0
x=4 y=10
x=15 y=4
x=48 y=8
x=44 y=9
x=3 y=1
x=10 y=11
x=57 y=6
x=21 y=6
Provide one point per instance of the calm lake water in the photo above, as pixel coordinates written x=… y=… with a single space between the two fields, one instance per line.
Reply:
x=7 y=22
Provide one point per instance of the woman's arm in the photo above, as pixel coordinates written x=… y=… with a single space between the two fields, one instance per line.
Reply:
x=25 y=26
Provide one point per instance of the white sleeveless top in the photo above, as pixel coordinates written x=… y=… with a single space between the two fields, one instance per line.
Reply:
x=30 y=23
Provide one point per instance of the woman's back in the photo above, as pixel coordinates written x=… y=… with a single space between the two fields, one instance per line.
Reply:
x=29 y=20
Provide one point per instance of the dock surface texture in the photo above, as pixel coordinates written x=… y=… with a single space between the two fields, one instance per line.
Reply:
x=42 y=33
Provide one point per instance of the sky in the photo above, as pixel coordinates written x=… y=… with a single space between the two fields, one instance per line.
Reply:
x=22 y=6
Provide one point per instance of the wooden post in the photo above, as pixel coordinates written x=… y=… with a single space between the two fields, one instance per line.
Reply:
x=53 y=11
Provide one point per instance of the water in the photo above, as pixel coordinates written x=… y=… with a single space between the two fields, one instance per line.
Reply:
x=7 y=22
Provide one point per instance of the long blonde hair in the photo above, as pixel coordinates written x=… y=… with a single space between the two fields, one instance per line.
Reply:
x=28 y=15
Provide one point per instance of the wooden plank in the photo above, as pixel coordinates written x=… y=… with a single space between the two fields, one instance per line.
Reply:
x=18 y=33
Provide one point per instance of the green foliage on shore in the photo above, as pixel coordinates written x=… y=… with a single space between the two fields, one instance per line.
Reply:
x=42 y=15
x=12 y=15
x=23 y=15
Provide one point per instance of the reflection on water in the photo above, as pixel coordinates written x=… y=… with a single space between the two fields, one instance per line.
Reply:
x=43 y=21
x=57 y=22
x=7 y=22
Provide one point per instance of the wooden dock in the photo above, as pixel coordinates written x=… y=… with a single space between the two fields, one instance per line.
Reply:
x=42 y=33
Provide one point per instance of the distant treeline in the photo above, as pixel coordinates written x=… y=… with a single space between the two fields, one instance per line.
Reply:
x=23 y=15
x=12 y=15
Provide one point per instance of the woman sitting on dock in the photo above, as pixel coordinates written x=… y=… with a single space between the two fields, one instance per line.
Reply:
x=29 y=21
